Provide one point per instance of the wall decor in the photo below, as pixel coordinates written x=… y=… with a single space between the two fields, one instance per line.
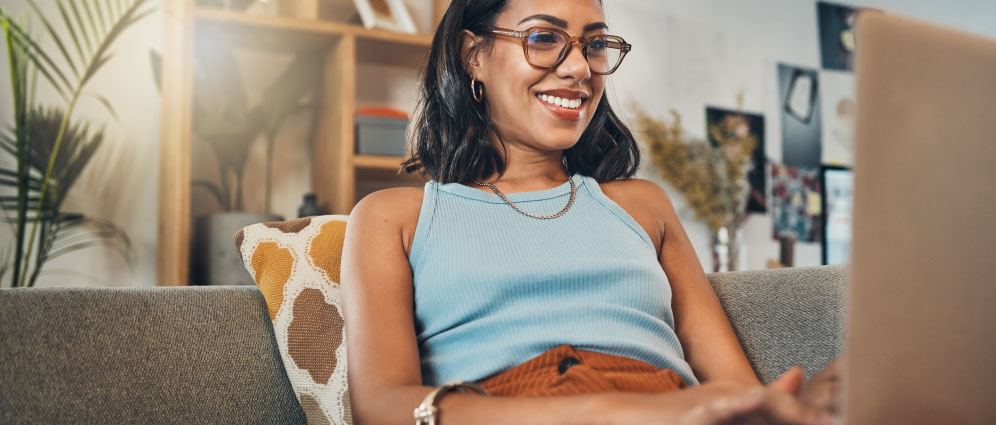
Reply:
x=837 y=184
x=741 y=124
x=799 y=90
x=837 y=97
x=837 y=40
x=796 y=205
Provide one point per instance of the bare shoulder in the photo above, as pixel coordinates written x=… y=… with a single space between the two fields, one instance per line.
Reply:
x=643 y=200
x=394 y=209
x=639 y=193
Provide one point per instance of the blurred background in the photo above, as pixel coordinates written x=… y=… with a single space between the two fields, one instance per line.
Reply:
x=210 y=115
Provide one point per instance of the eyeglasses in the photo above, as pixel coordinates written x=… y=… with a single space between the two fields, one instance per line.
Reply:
x=547 y=48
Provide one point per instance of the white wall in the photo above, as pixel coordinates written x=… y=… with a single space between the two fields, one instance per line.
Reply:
x=748 y=38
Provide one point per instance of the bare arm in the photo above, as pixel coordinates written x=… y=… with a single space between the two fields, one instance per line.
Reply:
x=384 y=369
x=710 y=346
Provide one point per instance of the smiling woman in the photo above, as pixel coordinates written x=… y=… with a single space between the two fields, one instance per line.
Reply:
x=532 y=266
x=459 y=139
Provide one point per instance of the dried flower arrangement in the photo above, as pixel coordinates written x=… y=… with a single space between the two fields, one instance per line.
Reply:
x=712 y=176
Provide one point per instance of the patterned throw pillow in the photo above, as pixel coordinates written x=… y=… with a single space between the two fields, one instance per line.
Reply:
x=296 y=266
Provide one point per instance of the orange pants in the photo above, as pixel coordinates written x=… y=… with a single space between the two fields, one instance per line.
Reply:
x=565 y=371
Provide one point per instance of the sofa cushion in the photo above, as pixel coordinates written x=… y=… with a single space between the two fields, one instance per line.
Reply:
x=139 y=356
x=295 y=264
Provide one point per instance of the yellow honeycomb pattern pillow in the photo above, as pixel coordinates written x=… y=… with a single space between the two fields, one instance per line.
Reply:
x=296 y=266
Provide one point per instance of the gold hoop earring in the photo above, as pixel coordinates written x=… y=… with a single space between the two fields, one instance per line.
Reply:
x=478 y=96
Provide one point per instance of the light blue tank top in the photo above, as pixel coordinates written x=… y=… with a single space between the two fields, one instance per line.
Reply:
x=494 y=288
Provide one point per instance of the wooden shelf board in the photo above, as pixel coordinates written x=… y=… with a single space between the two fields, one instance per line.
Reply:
x=307 y=26
x=392 y=163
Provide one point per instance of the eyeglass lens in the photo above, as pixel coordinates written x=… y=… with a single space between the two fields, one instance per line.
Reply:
x=543 y=48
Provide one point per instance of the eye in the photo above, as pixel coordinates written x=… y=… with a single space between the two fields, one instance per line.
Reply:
x=598 y=44
x=544 y=39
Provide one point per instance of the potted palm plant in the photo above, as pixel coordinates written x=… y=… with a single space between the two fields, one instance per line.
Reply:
x=51 y=148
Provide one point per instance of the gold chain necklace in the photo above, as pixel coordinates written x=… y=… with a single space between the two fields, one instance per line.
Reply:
x=542 y=217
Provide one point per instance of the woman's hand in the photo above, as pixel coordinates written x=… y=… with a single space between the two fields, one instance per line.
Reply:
x=819 y=393
x=716 y=403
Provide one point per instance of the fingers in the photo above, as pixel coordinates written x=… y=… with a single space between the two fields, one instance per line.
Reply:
x=789 y=382
x=724 y=410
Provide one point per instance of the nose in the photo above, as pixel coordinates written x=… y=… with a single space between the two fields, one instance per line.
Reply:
x=574 y=65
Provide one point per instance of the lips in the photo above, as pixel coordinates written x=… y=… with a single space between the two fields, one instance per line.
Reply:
x=563 y=103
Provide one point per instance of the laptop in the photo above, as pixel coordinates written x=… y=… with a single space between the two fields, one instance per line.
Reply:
x=921 y=321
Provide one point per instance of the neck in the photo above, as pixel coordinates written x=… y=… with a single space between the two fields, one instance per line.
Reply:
x=529 y=170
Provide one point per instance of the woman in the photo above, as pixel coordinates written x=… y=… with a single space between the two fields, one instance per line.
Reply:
x=532 y=263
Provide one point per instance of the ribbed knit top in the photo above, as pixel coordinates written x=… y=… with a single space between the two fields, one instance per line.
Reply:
x=494 y=288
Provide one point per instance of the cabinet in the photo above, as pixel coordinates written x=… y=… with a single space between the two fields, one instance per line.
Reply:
x=352 y=56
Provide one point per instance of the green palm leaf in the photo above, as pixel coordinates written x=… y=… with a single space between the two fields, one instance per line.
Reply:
x=92 y=32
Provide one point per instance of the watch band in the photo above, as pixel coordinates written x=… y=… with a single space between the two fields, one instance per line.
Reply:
x=425 y=413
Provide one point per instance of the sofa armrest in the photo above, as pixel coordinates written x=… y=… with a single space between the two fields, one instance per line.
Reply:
x=785 y=317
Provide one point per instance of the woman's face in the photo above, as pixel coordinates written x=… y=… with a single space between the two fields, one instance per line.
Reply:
x=515 y=90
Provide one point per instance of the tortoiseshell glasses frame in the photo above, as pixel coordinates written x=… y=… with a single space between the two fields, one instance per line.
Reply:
x=534 y=39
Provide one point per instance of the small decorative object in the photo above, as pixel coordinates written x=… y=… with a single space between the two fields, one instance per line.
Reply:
x=388 y=14
x=712 y=178
x=310 y=206
x=795 y=202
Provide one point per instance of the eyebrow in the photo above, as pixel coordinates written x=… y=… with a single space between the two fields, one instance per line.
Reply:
x=563 y=24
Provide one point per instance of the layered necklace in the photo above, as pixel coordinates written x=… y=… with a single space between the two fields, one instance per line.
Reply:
x=517 y=208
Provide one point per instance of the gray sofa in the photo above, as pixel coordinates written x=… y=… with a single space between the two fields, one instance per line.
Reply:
x=208 y=354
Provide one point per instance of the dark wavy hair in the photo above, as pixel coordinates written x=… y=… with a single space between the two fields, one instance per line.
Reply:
x=451 y=134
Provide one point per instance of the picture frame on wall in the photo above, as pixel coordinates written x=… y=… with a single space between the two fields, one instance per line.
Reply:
x=837 y=193
x=387 y=14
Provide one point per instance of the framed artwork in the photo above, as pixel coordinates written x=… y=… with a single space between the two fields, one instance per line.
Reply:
x=799 y=91
x=387 y=14
x=796 y=207
x=747 y=124
x=837 y=40
x=839 y=116
x=837 y=184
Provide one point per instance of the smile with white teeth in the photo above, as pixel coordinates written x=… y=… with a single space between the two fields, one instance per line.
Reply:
x=559 y=101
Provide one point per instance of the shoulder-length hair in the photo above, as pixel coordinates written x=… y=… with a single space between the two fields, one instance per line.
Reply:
x=451 y=133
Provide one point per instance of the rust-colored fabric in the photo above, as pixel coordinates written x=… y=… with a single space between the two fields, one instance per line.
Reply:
x=563 y=371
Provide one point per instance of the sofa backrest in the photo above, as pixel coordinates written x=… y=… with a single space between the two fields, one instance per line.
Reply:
x=785 y=317
x=141 y=355
x=208 y=354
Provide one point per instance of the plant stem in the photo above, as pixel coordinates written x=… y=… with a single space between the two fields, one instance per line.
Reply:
x=45 y=180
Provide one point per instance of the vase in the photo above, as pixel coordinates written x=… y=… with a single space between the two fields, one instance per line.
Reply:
x=215 y=260
x=727 y=245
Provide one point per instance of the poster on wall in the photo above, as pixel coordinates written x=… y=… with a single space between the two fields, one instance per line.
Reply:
x=837 y=35
x=798 y=90
x=744 y=124
x=839 y=112
x=796 y=206
x=838 y=193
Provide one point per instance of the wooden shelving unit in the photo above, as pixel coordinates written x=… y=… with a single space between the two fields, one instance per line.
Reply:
x=338 y=175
